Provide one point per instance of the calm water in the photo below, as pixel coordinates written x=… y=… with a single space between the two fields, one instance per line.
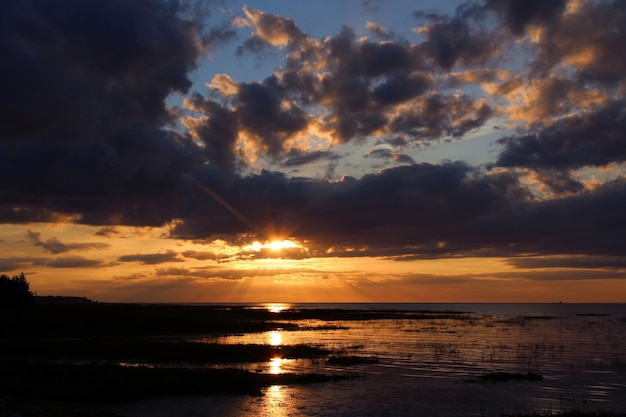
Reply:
x=429 y=366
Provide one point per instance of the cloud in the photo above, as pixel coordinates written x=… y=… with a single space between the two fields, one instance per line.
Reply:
x=388 y=154
x=519 y=14
x=107 y=231
x=296 y=158
x=594 y=138
x=590 y=49
x=230 y=274
x=87 y=136
x=586 y=262
x=55 y=246
x=23 y=214
x=402 y=209
x=587 y=223
x=380 y=31
x=83 y=107
x=76 y=262
x=455 y=41
x=152 y=258
x=422 y=210
x=15 y=263
x=275 y=30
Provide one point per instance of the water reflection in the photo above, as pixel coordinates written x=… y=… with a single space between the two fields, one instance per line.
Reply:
x=275 y=404
x=276 y=307
x=581 y=357
x=276 y=338
x=275 y=365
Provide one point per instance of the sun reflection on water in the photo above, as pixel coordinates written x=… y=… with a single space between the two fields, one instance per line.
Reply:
x=275 y=405
x=275 y=366
x=276 y=338
x=276 y=307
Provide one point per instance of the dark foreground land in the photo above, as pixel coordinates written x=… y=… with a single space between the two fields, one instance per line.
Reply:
x=61 y=358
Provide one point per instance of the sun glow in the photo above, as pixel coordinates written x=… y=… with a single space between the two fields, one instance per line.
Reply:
x=276 y=307
x=278 y=245
x=273 y=245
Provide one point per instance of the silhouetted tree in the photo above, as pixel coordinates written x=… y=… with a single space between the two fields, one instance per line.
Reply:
x=15 y=291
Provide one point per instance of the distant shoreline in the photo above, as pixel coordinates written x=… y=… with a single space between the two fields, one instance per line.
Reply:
x=62 y=299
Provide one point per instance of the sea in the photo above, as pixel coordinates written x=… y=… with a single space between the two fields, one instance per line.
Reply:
x=552 y=358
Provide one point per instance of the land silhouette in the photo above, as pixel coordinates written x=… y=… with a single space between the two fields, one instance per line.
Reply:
x=71 y=356
x=57 y=351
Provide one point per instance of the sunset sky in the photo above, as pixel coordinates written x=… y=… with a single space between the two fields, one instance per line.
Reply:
x=314 y=151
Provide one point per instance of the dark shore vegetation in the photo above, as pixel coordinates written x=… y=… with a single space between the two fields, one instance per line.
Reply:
x=60 y=351
x=151 y=351
x=70 y=356
x=108 y=383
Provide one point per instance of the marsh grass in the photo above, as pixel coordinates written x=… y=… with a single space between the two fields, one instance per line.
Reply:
x=106 y=383
x=130 y=320
x=151 y=350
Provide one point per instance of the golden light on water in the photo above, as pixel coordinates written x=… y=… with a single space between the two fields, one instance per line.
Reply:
x=276 y=339
x=275 y=366
x=277 y=307
x=275 y=403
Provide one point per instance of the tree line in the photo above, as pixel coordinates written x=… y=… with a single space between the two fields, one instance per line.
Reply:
x=15 y=291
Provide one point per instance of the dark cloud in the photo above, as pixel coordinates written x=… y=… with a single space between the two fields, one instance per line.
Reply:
x=422 y=210
x=83 y=110
x=591 y=262
x=297 y=158
x=107 y=231
x=593 y=138
x=388 y=154
x=16 y=263
x=590 y=39
x=25 y=214
x=76 y=262
x=255 y=45
x=77 y=67
x=559 y=182
x=86 y=135
x=584 y=274
x=152 y=258
x=437 y=116
x=587 y=223
x=55 y=246
x=261 y=113
x=456 y=42
x=519 y=14
x=201 y=256
x=218 y=129
x=402 y=209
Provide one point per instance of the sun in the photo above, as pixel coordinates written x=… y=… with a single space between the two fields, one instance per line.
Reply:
x=273 y=245
x=278 y=245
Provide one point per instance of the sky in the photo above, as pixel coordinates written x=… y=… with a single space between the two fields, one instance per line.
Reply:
x=287 y=151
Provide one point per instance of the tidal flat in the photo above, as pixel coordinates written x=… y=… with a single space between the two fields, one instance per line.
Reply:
x=168 y=360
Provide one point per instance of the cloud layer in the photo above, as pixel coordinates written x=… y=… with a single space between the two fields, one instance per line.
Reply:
x=86 y=135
